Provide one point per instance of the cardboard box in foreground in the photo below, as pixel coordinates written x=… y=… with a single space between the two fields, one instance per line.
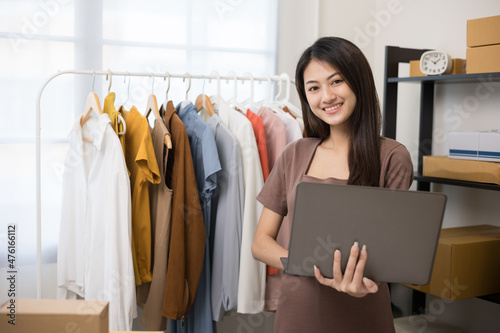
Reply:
x=52 y=315
x=451 y=168
x=467 y=263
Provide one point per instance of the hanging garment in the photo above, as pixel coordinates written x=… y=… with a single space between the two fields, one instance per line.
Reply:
x=94 y=255
x=116 y=124
x=252 y=275
x=275 y=135
x=292 y=127
x=298 y=119
x=206 y=166
x=276 y=140
x=143 y=167
x=227 y=212
x=260 y=137
x=150 y=295
x=187 y=230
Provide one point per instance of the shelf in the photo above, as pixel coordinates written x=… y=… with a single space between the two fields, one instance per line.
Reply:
x=484 y=186
x=457 y=78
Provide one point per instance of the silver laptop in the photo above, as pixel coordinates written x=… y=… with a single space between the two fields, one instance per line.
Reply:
x=400 y=229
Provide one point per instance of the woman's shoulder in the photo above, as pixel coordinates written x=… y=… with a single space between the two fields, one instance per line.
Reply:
x=303 y=144
x=390 y=146
x=299 y=148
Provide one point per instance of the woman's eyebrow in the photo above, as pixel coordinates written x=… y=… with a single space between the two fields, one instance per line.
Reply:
x=328 y=78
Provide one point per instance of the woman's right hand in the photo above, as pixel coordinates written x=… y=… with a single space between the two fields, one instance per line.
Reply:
x=352 y=281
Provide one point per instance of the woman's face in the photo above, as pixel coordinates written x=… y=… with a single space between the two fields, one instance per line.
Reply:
x=328 y=95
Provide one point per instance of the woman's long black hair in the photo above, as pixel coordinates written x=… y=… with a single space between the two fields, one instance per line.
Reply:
x=364 y=123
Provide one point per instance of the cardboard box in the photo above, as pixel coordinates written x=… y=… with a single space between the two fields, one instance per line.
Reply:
x=421 y=323
x=51 y=315
x=450 y=168
x=466 y=264
x=478 y=145
x=483 y=31
x=457 y=67
x=483 y=59
x=415 y=68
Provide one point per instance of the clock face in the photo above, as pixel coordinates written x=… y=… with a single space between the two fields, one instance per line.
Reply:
x=435 y=63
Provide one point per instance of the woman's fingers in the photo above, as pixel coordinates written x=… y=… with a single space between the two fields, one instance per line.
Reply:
x=352 y=280
x=370 y=285
x=337 y=267
x=357 y=278
x=323 y=280
x=350 y=267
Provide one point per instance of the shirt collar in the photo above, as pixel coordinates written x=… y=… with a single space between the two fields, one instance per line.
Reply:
x=222 y=109
x=97 y=129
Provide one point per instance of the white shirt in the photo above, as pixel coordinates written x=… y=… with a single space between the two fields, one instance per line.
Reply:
x=94 y=254
x=252 y=277
x=293 y=131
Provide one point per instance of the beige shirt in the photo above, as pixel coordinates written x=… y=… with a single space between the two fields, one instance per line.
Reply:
x=150 y=295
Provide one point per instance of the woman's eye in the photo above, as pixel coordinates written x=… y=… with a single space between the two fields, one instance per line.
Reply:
x=335 y=82
x=312 y=89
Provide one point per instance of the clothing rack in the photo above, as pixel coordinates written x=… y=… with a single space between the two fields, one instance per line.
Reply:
x=214 y=75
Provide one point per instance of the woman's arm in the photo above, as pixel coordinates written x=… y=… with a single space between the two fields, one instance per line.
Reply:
x=264 y=246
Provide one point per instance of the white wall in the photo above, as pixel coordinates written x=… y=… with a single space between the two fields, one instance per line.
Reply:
x=415 y=24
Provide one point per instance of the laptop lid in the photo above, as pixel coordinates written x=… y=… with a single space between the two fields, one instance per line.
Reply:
x=399 y=228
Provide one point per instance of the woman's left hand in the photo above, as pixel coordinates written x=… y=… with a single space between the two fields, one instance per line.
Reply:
x=352 y=281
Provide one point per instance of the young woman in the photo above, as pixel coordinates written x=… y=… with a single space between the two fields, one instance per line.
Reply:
x=343 y=145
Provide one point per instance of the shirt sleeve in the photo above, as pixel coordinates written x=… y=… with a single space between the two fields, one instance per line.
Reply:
x=146 y=159
x=273 y=193
x=399 y=169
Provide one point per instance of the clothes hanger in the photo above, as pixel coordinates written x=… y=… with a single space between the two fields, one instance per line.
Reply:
x=152 y=105
x=168 y=89
x=267 y=102
x=186 y=101
x=234 y=101
x=203 y=102
x=216 y=98
x=295 y=111
x=250 y=100
x=121 y=110
x=120 y=118
x=91 y=104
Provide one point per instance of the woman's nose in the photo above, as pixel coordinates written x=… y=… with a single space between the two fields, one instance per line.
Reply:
x=328 y=96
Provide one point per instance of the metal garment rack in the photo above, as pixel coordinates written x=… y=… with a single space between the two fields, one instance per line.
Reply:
x=214 y=75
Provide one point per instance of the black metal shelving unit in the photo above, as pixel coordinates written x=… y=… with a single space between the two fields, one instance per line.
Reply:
x=393 y=56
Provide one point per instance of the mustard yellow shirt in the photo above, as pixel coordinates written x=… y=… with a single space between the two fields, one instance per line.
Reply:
x=143 y=166
x=118 y=127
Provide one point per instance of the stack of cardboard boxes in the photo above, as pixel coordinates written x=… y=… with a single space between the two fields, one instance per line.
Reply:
x=474 y=156
x=483 y=45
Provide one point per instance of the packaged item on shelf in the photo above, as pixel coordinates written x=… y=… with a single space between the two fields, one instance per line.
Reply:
x=477 y=145
x=483 y=59
x=53 y=315
x=450 y=168
x=457 y=67
x=466 y=263
x=415 y=68
x=483 y=31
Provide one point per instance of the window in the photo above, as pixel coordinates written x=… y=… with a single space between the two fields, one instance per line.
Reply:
x=38 y=38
